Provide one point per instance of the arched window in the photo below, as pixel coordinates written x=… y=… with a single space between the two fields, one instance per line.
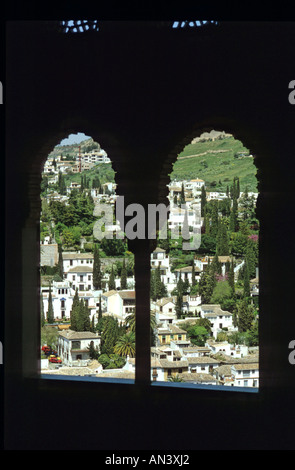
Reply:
x=204 y=269
x=87 y=270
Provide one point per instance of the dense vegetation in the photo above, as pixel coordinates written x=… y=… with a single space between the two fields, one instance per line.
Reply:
x=217 y=163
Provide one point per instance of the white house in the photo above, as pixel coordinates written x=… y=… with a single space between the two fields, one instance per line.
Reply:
x=72 y=346
x=177 y=217
x=120 y=304
x=73 y=259
x=166 y=306
x=94 y=157
x=218 y=318
x=186 y=273
x=159 y=258
x=236 y=351
x=62 y=295
x=201 y=365
x=81 y=277
x=62 y=298
x=215 y=195
x=245 y=375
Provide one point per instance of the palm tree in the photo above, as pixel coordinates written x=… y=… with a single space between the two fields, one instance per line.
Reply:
x=175 y=378
x=125 y=346
x=130 y=321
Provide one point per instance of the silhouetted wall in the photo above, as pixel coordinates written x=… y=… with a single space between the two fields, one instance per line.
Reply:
x=143 y=93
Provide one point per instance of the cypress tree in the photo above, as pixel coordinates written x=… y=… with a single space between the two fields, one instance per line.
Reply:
x=97 y=275
x=84 y=314
x=246 y=281
x=245 y=316
x=159 y=289
x=233 y=218
x=214 y=220
x=42 y=312
x=193 y=274
x=231 y=276
x=237 y=187
x=99 y=309
x=82 y=184
x=75 y=312
x=50 y=314
x=251 y=256
x=112 y=284
x=123 y=276
x=207 y=284
x=179 y=298
x=222 y=247
x=60 y=262
x=182 y=195
x=203 y=201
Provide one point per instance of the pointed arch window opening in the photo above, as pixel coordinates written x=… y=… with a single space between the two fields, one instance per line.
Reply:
x=95 y=267
x=182 y=309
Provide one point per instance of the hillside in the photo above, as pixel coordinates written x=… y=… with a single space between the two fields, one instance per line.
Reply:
x=217 y=162
x=71 y=151
x=104 y=171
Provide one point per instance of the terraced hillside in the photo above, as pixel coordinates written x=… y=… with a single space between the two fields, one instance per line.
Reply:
x=217 y=162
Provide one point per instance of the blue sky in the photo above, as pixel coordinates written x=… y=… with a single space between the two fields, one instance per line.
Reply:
x=74 y=139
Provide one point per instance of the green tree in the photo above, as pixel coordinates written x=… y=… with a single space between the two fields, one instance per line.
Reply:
x=182 y=196
x=125 y=346
x=60 y=262
x=110 y=333
x=97 y=274
x=203 y=201
x=245 y=315
x=83 y=320
x=222 y=247
x=158 y=288
x=50 y=314
x=193 y=274
x=246 y=281
x=207 y=284
x=175 y=378
x=61 y=184
x=179 y=298
x=130 y=321
x=112 y=283
x=75 y=312
x=251 y=256
x=198 y=335
x=42 y=312
x=99 y=308
x=123 y=280
x=214 y=219
x=93 y=352
x=231 y=276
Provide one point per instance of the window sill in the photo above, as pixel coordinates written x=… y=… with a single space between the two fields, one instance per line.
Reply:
x=157 y=384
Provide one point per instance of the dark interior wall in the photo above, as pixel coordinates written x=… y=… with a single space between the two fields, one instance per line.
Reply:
x=143 y=93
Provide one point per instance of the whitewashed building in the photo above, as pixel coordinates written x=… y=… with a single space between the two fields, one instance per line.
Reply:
x=74 y=259
x=219 y=319
x=159 y=258
x=236 y=351
x=62 y=295
x=62 y=299
x=120 y=304
x=245 y=375
x=72 y=346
